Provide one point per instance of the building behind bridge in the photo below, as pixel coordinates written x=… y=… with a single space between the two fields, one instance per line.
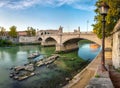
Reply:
x=49 y=31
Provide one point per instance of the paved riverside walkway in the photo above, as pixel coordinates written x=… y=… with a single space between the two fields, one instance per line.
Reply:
x=82 y=79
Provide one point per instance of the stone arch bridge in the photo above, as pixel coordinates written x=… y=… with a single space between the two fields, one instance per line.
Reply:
x=69 y=41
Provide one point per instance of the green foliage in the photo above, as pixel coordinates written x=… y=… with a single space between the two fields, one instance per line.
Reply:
x=116 y=69
x=13 y=31
x=97 y=76
x=2 y=31
x=71 y=62
x=31 y=31
x=5 y=43
x=111 y=19
x=84 y=42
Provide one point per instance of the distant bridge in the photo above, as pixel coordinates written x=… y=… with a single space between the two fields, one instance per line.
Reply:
x=63 y=41
x=68 y=41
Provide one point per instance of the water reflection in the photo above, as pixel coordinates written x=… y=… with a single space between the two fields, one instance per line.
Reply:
x=86 y=52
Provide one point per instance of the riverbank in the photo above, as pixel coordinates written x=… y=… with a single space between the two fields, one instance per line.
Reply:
x=5 y=43
x=82 y=78
x=8 y=43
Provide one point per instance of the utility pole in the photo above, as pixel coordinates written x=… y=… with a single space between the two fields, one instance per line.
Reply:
x=87 y=25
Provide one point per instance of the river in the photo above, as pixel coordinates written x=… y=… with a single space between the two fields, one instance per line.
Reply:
x=51 y=77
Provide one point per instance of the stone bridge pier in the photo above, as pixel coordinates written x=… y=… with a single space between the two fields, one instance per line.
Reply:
x=65 y=48
x=48 y=43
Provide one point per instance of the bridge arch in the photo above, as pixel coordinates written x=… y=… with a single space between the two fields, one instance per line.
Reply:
x=91 y=37
x=70 y=44
x=40 y=39
x=50 y=38
x=50 y=41
x=72 y=40
x=76 y=40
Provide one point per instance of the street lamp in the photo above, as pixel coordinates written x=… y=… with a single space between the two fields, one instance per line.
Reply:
x=103 y=11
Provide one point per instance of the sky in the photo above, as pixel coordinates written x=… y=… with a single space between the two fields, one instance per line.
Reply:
x=47 y=14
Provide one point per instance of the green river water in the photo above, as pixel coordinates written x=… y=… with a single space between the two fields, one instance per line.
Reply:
x=54 y=76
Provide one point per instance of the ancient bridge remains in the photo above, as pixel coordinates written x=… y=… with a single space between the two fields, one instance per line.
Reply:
x=63 y=41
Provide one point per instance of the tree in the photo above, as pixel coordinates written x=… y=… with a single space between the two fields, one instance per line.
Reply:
x=13 y=32
x=31 y=31
x=28 y=31
x=111 y=19
x=2 y=31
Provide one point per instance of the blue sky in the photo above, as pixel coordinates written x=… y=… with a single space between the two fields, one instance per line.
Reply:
x=47 y=14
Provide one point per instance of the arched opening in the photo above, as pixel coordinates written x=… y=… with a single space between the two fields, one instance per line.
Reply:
x=40 y=39
x=42 y=33
x=45 y=32
x=74 y=40
x=71 y=44
x=50 y=41
x=74 y=43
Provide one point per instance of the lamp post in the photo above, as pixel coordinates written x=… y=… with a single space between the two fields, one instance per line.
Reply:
x=103 y=11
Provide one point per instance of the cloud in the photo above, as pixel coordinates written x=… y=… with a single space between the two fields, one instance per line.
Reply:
x=22 y=4
x=84 y=7
x=18 y=4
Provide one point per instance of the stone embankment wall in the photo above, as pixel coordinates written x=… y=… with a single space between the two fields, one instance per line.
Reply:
x=23 y=39
x=116 y=46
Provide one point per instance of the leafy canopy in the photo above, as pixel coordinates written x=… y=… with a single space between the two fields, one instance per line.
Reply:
x=111 y=18
x=13 y=31
x=31 y=31
x=2 y=31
